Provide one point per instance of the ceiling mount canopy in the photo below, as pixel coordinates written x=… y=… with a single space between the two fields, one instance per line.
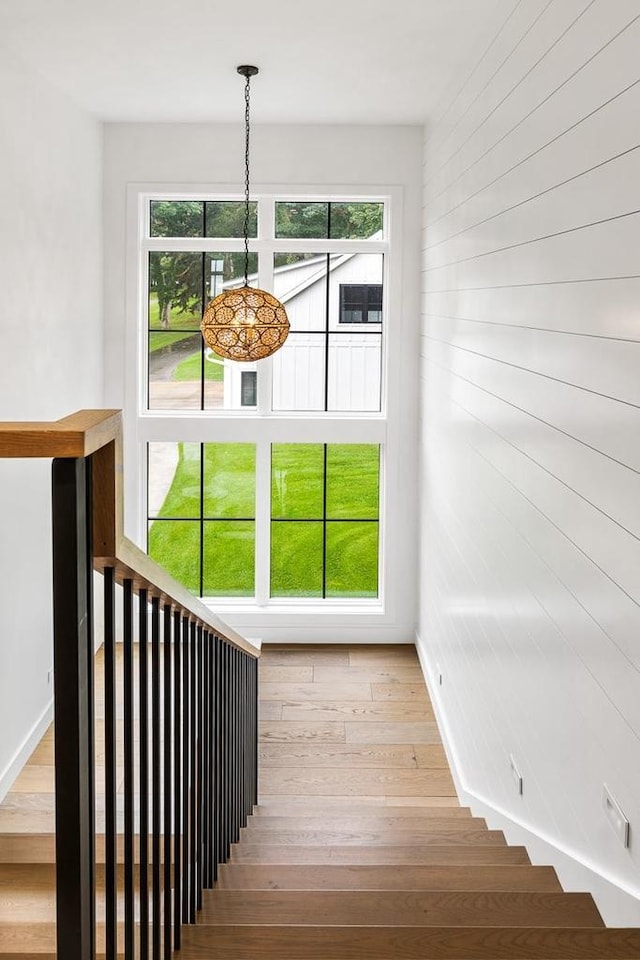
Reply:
x=245 y=323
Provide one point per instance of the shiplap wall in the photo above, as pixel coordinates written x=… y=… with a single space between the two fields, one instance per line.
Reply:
x=530 y=487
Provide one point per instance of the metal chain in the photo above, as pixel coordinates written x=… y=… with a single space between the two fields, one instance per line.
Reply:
x=247 y=92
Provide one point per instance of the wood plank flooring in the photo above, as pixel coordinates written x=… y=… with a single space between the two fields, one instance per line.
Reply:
x=349 y=722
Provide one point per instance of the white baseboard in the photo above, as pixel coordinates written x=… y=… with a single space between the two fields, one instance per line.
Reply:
x=11 y=772
x=618 y=904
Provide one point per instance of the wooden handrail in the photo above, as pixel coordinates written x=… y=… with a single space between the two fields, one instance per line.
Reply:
x=98 y=433
x=78 y=435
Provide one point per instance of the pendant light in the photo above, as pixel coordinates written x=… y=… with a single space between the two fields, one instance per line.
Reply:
x=245 y=323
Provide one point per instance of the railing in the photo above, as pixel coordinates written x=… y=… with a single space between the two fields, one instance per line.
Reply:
x=189 y=777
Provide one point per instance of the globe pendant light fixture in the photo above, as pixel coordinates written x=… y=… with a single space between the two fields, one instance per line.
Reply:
x=245 y=323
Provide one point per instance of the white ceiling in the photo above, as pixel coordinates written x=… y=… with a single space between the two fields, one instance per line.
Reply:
x=333 y=61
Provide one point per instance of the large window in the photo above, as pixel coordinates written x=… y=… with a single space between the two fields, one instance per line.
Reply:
x=264 y=480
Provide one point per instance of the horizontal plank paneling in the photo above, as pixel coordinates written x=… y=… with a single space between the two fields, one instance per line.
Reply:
x=530 y=527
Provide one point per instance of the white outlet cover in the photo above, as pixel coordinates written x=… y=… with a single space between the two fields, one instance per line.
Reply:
x=615 y=816
x=515 y=773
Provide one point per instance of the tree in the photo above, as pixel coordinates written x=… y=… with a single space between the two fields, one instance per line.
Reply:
x=176 y=278
x=338 y=221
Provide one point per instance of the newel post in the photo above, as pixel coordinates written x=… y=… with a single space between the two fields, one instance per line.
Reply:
x=73 y=710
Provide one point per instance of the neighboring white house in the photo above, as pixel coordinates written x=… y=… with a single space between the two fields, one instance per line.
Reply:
x=334 y=304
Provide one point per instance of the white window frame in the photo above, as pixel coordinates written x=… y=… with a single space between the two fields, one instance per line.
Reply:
x=260 y=425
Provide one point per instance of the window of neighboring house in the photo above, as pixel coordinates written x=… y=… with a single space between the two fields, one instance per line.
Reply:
x=248 y=388
x=208 y=519
x=360 y=303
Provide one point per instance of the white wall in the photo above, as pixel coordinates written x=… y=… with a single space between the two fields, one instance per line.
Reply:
x=206 y=157
x=530 y=573
x=51 y=323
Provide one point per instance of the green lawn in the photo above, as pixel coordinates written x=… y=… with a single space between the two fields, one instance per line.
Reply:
x=187 y=322
x=190 y=367
x=308 y=521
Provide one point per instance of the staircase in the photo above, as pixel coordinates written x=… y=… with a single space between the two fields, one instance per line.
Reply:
x=359 y=848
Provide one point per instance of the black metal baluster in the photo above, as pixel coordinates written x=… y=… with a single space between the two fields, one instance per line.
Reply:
x=186 y=754
x=155 y=776
x=256 y=738
x=210 y=809
x=167 y=771
x=243 y=737
x=205 y=761
x=239 y=750
x=110 y=834
x=217 y=810
x=177 y=780
x=228 y=785
x=249 y=760
x=74 y=708
x=143 y=694
x=238 y=777
x=129 y=735
x=224 y=805
x=199 y=790
x=234 y=745
x=193 y=898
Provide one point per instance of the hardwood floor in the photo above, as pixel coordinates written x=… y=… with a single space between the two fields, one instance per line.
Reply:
x=349 y=722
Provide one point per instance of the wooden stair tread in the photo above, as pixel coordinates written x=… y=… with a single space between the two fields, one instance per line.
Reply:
x=379 y=854
x=311 y=809
x=332 y=837
x=235 y=876
x=272 y=942
x=381 y=821
x=407 y=908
